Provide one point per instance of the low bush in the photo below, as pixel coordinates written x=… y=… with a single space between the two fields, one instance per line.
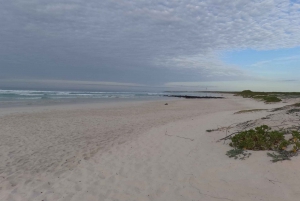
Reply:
x=260 y=97
x=263 y=138
x=268 y=97
x=271 y=99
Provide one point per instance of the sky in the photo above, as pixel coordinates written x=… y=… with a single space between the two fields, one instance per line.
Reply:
x=150 y=44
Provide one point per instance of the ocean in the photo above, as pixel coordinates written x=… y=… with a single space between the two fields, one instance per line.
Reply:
x=17 y=95
x=12 y=98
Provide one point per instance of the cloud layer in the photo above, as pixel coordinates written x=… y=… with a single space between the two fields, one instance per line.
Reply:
x=144 y=42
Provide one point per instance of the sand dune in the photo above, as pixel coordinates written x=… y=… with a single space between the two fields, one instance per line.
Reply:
x=135 y=151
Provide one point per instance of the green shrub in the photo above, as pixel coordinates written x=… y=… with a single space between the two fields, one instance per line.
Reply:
x=263 y=138
x=259 y=97
x=268 y=97
x=271 y=99
x=246 y=93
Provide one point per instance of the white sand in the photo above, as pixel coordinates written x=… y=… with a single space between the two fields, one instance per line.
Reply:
x=136 y=151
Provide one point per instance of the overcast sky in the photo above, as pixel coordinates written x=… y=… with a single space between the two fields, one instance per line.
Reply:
x=141 y=44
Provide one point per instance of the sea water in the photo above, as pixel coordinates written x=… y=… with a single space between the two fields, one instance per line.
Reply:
x=39 y=95
x=31 y=97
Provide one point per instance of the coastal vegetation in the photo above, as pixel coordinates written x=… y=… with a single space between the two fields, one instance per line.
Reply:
x=264 y=138
x=267 y=97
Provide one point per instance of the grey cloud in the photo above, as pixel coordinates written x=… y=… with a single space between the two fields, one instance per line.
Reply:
x=142 y=41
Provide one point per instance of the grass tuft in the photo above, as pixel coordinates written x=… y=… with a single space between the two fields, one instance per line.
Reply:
x=238 y=154
x=280 y=156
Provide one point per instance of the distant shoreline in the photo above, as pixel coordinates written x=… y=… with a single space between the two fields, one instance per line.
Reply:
x=194 y=97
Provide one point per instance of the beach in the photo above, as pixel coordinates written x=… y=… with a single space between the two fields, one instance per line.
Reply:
x=138 y=150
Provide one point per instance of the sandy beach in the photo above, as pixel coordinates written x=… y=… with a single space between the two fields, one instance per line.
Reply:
x=137 y=151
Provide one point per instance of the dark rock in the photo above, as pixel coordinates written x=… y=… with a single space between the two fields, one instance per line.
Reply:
x=193 y=97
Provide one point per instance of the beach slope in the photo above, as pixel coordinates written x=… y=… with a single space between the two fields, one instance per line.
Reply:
x=136 y=151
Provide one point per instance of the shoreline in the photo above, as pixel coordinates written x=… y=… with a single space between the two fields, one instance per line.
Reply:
x=132 y=151
x=72 y=101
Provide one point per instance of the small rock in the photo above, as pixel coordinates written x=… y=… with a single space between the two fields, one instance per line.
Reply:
x=288 y=137
x=290 y=147
x=166 y=104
